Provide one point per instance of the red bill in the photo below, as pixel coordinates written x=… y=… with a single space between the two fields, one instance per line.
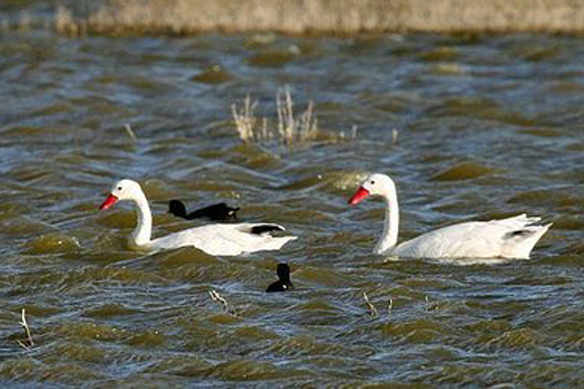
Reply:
x=109 y=201
x=358 y=196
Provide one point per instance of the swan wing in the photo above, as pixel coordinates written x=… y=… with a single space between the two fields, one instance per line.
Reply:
x=226 y=239
x=512 y=237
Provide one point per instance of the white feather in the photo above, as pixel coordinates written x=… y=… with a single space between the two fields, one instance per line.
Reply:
x=512 y=237
x=214 y=239
x=222 y=239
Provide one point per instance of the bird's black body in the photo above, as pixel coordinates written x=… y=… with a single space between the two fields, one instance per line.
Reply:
x=284 y=283
x=216 y=212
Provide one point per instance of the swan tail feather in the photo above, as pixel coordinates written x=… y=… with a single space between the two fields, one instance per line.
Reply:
x=263 y=229
x=523 y=240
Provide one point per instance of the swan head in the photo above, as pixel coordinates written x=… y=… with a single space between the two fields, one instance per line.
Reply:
x=122 y=190
x=375 y=185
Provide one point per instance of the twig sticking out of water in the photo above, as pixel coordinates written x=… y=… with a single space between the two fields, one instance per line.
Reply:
x=394 y=135
x=430 y=306
x=352 y=134
x=27 y=332
x=130 y=132
x=390 y=306
x=220 y=299
x=372 y=310
x=25 y=22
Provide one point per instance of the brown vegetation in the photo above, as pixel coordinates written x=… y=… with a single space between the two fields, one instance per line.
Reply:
x=339 y=17
x=290 y=128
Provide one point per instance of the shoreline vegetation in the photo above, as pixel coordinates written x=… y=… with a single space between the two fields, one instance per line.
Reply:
x=312 y=17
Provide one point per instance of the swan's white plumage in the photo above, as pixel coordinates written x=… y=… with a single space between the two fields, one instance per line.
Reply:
x=214 y=239
x=512 y=237
x=507 y=238
x=223 y=239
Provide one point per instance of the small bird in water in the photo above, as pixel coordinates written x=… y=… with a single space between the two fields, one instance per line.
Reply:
x=284 y=283
x=216 y=212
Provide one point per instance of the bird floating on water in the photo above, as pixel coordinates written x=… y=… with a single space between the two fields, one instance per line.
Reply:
x=215 y=212
x=511 y=238
x=214 y=239
x=284 y=283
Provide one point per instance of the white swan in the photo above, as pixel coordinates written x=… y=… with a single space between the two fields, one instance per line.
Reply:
x=513 y=237
x=214 y=239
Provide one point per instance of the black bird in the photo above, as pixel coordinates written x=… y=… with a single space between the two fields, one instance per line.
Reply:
x=284 y=283
x=216 y=212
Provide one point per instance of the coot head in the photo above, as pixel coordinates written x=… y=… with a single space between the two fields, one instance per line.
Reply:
x=177 y=208
x=284 y=283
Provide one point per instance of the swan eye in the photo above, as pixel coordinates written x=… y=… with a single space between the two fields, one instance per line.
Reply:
x=372 y=182
x=119 y=188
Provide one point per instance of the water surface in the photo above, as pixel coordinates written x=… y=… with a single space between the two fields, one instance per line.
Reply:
x=486 y=127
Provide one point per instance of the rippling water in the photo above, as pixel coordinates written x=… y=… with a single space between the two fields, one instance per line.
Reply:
x=486 y=127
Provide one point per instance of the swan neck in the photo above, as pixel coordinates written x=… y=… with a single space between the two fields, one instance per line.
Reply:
x=391 y=224
x=143 y=231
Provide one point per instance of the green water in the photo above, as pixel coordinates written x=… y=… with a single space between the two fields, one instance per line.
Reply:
x=486 y=127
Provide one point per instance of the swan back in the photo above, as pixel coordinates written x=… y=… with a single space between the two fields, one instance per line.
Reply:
x=513 y=237
x=225 y=239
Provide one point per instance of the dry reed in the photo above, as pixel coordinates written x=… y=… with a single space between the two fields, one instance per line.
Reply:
x=372 y=311
x=215 y=296
x=339 y=17
x=130 y=132
x=244 y=118
x=295 y=129
x=430 y=305
x=290 y=129
x=27 y=332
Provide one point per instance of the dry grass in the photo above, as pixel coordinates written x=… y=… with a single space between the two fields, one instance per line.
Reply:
x=245 y=120
x=290 y=128
x=339 y=17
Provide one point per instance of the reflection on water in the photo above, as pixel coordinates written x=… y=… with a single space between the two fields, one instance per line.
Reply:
x=486 y=128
